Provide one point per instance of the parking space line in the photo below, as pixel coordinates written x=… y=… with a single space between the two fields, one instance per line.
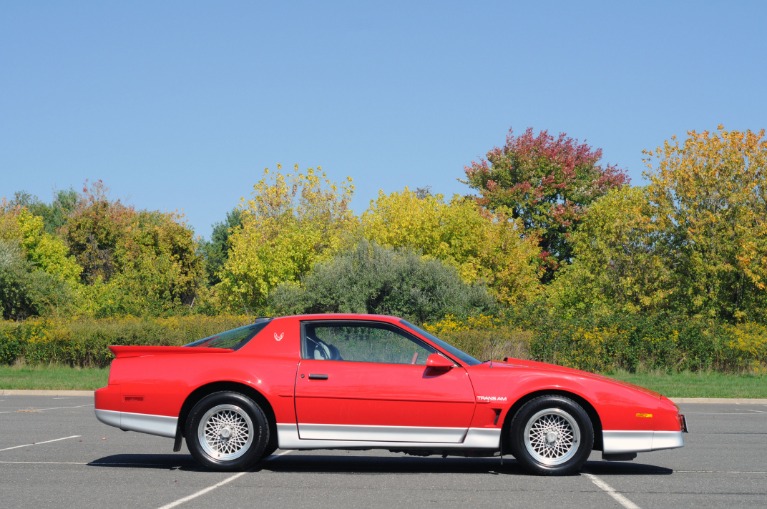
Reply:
x=731 y=472
x=217 y=485
x=628 y=504
x=203 y=492
x=39 y=443
x=79 y=463
x=34 y=410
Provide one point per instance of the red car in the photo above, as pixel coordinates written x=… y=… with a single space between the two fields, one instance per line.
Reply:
x=367 y=381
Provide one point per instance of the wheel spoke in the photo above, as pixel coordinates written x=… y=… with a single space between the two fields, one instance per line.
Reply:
x=552 y=436
x=226 y=432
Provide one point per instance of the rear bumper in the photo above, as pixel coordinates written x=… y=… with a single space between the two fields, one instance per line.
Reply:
x=160 y=425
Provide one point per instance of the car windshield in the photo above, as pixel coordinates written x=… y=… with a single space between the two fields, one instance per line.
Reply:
x=447 y=347
x=232 y=339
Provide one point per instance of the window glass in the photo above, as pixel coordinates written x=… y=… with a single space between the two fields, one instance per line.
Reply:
x=234 y=338
x=463 y=356
x=368 y=342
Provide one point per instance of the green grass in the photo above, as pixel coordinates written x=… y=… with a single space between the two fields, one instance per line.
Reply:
x=52 y=378
x=680 y=385
x=699 y=385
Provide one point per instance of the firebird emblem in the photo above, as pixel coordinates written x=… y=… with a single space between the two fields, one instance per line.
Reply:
x=278 y=337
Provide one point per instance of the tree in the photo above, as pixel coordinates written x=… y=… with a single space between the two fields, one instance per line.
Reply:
x=54 y=214
x=374 y=279
x=292 y=221
x=546 y=182
x=134 y=262
x=16 y=303
x=619 y=264
x=708 y=196
x=483 y=246
x=37 y=274
x=159 y=269
x=216 y=251
x=93 y=230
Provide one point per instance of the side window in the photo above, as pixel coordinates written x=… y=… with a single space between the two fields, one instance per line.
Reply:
x=362 y=342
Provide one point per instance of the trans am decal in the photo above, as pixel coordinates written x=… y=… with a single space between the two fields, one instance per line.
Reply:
x=492 y=399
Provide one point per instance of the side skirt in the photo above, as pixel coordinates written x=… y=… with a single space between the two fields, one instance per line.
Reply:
x=476 y=438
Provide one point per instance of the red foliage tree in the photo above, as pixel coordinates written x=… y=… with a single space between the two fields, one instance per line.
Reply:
x=547 y=182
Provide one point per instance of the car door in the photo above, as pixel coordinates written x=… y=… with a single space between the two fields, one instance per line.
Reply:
x=368 y=381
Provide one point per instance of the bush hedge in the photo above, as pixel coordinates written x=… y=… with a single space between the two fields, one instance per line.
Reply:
x=627 y=343
x=646 y=343
x=85 y=343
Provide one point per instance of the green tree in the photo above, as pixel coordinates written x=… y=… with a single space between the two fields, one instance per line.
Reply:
x=374 y=279
x=158 y=264
x=16 y=303
x=620 y=264
x=216 y=250
x=292 y=221
x=54 y=214
x=546 y=182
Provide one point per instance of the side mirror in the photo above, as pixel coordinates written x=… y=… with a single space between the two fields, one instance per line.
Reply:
x=436 y=361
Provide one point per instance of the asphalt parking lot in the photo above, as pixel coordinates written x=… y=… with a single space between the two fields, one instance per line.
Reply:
x=54 y=453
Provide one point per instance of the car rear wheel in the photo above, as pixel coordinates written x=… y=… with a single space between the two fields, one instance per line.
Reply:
x=551 y=435
x=227 y=431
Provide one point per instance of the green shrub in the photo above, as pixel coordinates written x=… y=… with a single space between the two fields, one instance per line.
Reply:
x=10 y=345
x=374 y=279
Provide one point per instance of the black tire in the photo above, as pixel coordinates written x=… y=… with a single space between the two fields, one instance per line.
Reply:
x=227 y=431
x=551 y=435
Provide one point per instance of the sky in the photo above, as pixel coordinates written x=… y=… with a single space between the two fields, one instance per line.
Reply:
x=178 y=106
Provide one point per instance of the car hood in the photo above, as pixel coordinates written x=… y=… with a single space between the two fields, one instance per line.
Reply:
x=512 y=363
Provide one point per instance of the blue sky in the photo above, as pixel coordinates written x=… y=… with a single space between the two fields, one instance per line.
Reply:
x=180 y=105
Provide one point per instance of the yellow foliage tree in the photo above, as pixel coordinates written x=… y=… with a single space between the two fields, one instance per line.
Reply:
x=483 y=246
x=708 y=196
x=292 y=221
x=45 y=251
x=38 y=276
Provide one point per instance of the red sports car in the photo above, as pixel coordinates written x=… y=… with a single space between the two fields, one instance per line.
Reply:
x=367 y=381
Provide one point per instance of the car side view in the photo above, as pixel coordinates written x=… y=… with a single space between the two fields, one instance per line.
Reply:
x=374 y=382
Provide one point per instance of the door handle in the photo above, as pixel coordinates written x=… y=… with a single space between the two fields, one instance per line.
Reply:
x=317 y=376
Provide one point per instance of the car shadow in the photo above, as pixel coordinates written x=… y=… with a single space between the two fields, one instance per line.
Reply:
x=148 y=461
x=607 y=468
x=353 y=464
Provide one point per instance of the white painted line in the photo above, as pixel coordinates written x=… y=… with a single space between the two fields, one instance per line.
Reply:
x=217 y=485
x=203 y=492
x=283 y=453
x=32 y=410
x=43 y=463
x=731 y=472
x=39 y=443
x=628 y=504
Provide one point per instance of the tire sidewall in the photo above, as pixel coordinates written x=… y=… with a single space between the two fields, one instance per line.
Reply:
x=523 y=416
x=260 y=431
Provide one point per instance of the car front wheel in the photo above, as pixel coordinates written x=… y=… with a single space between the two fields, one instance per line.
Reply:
x=551 y=435
x=227 y=431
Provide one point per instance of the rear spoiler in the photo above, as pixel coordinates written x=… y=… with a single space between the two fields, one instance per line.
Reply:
x=123 y=352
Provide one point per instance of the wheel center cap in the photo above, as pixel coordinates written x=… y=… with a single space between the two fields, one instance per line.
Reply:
x=225 y=432
x=551 y=437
